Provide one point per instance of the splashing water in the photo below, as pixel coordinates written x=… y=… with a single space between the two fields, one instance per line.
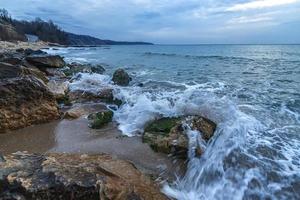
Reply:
x=250 y=92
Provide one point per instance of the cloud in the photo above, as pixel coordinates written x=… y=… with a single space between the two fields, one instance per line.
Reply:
x=164 y=21
x=259 y=4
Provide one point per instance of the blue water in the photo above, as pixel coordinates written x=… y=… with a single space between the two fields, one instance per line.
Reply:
x=251 y=91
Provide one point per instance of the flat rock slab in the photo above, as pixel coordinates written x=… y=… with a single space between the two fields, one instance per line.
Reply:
x=72 y=176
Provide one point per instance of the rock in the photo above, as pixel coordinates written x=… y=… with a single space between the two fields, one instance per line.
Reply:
x=121 y=77
x=37 y=73
x=105 y=95
x=12 y=71
x=100 y=119
x=34 y=52
x=73 y=176
x=65 y=100
x=74 y=68
x=13 y=58
x=25 y=101
x=74 y=113
x=47 y=61
x=167 y=134
x=58 y=88
x=98 y=69
x=54 y=72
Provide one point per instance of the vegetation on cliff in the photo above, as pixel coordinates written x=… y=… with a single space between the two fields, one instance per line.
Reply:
x=15 y=30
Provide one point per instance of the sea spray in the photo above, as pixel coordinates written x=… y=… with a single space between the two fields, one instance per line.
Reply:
x=254 y=101
x=206 y=177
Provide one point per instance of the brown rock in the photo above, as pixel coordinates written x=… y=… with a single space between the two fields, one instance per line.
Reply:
x=73 y=176
x=49 y=61
x=25 y=101
x=13 y=71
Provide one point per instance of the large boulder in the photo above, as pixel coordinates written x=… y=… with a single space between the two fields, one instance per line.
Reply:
x=167 y=135
x=121 y=77
x=25 y=101
x=73 y=176
x=46 y=61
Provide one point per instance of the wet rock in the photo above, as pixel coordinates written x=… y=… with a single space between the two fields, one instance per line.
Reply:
x=100 y=119
x=74 y=68
x=47 y=61
x=54 y=72
x=58 y=88
x=65 y=100
x=37 y=73
x=73 y=176
x=167 y=135
x=25 y=101
x=74 y=113
x=121 y=77
x=99 y=69
x=104 y=95
x=13 y=58
x=9 y=71
x=34 y=52
x=13 y=71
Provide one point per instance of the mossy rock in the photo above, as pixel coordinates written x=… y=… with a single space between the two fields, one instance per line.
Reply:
x=167 y=135
x=163 y=125
x=100 y=119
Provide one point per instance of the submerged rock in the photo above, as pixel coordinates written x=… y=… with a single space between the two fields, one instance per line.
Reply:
x=100 y=119
x=45 y=61
x=121 y=77
x=25 y=101
x=73 y=176
x=167 y=134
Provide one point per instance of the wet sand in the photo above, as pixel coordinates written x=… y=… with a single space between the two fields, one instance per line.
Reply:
x=74 y=136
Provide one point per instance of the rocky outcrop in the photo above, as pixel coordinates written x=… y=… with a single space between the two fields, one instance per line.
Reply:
x=121 y=77
x=167 y=135
x=100 y=119
x=46 y=61
x=11 y=71
x=67 y=176
x=25 y=101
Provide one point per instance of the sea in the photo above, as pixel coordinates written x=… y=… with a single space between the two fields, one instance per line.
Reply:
x=252 y=93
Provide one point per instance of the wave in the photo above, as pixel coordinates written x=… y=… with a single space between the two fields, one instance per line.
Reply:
x=197 y=56
x=238 y=159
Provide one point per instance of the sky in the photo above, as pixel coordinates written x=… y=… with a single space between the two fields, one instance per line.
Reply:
x=170 y=21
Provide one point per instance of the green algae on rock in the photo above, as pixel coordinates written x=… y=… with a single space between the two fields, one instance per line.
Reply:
x=98 y=120
x=167 y=135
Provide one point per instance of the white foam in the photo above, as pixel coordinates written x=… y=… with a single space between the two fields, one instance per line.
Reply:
x=89 y=82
